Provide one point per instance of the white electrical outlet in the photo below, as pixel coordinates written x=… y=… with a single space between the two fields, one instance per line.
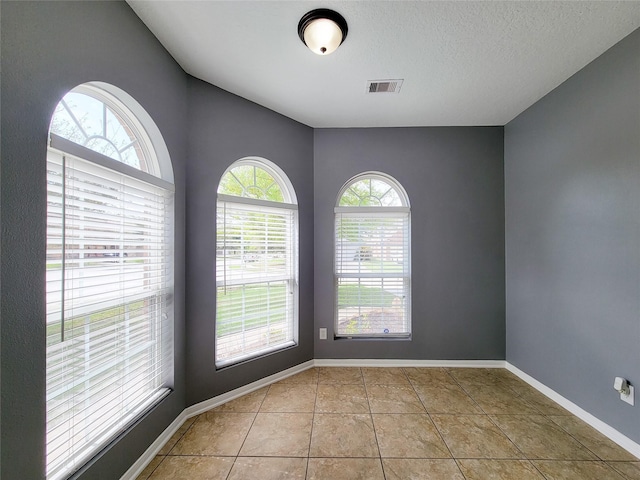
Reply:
x=628 y=398
x=323 y=334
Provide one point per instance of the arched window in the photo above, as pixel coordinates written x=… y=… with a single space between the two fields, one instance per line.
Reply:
x=109 y=272
x=256 y=262
x=372 y=258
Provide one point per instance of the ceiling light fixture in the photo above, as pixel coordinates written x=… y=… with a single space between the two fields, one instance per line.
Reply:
x=322 y=30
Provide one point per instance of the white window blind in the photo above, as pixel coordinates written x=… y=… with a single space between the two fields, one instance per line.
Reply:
x=372 y=272
x=256 y=277
x=109 y=304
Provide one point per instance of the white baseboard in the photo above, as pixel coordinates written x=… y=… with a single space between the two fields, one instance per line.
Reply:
x=202 y=407
x=625 y=442
x=149 y=454
x=144 y=460
x=375 y=362
x=140 y=464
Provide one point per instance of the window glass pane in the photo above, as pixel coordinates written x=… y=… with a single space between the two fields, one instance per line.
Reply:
x=88 y=113
x=109 y=277
x=390 y=198
x=89 y=122
x=251 y=182
x=108 y=309
x=116 y=131
x=350 y=199
x=370 y=192
x=256 y=267
x=131 y=156
x=372 y=260
x=65 y=125
x=251 y=318
x=371 y=306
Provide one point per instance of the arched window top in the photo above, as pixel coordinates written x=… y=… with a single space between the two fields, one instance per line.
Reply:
x=109 y=251
x=256 y=262
x=372 y=189
x=103 y=118
x=258 y=179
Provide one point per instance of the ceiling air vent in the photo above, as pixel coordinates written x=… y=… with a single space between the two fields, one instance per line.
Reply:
x=384 y=86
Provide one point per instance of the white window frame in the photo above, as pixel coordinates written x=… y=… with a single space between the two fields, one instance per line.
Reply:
x=396 y=211
x=289 y=206
x=62 y=151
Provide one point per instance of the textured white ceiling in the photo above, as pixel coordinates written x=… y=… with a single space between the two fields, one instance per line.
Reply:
x=463 y=63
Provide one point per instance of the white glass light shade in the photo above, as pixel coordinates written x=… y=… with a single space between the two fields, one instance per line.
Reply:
x=323 y=36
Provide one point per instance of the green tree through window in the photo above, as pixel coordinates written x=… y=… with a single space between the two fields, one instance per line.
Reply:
x=372 y=258
x=370 y=192
x=250 y=181
x=256 y=262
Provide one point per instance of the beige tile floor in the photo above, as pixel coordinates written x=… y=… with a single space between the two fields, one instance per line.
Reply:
x=392 y=423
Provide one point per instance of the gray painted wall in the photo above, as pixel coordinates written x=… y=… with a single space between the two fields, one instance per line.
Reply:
x=573 y=228
x=572 y=174
x=454 y=180
x=224 y=128
x=47 y=49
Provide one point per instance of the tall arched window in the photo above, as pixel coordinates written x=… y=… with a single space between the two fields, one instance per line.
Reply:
x=109 y=276
x=372 y=258
x=256 y=262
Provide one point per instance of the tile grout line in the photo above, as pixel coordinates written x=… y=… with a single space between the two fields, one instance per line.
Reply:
x=622 y=474
x=547 y=459
x=546 y=417
x=438 y=430
x=494 y=423
x=375 y=433
x=235 y=460
x=486 y=381
x=465 y=391
x=436 y=427
x=313 y=420
x=460 y=469
x=581 y=443
x=164 y=457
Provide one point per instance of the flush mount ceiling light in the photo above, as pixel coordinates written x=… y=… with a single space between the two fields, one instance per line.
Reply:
x=322 y=30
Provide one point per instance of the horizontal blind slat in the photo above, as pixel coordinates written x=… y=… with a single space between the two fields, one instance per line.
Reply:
x=372 y=271
x=112 y=292
x=256 y=279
